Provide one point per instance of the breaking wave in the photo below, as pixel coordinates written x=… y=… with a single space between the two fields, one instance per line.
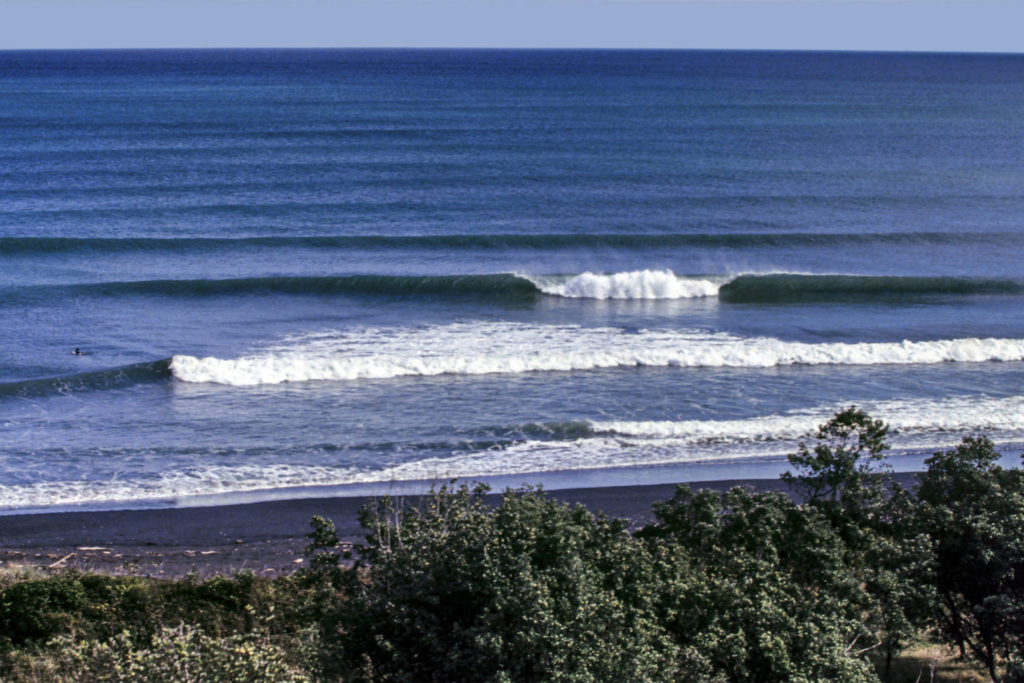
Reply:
x=641 y=284
x=632 y=285
x=490 y=348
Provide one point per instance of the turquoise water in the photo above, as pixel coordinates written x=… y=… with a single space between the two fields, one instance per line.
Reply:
x=307 y=272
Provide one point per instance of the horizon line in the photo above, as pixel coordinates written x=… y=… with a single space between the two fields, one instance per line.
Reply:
x=511 y=48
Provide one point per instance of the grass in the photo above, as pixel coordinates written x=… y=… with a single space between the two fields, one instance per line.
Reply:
x=927 y=662
x=11 y=574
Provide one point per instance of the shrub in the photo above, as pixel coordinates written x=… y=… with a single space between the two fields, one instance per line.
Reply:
x=38 y=609
x=532 y=590
x=973 y=510
x=174 y=655
x=758 y=586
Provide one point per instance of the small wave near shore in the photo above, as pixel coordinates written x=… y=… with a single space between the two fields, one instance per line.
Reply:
x=917 y=426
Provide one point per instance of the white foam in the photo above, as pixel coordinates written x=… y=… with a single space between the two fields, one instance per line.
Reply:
x=905 y=418
x=486 y=348
x=212 y=480
x=922 y=425
x=639 y=284
x=520 y=458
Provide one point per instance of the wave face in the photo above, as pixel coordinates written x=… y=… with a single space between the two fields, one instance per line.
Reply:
x=476 y=349
x=786 y=288
x=499 y=286
x=115 y=378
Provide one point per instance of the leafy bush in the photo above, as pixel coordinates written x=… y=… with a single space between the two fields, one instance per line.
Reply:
x=973 y=510
x=532 y=590
x=174 y=655
x=39 y=609
x=759 y=587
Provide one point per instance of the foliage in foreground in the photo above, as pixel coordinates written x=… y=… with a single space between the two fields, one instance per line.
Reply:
x=737 y=586
x=185 y=654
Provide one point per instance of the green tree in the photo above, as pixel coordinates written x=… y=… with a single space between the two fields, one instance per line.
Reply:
x=760 y=588
x=844 y=476
x=841 y=469
x=36 y=610
x=898 y=573
x=973 y=510
x=533 y=589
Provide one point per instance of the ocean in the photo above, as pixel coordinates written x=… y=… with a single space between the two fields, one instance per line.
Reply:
x=338 y=272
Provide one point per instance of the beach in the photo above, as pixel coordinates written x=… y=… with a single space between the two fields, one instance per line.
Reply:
x=265 y=538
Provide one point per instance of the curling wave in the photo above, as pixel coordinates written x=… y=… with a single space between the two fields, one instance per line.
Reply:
x=647 y=284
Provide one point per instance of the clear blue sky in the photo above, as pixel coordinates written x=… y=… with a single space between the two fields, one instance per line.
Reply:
x=954 y=25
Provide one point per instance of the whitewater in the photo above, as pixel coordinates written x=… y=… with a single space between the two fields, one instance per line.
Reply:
x=583 y=446
x=644 y=284
x=475 y=349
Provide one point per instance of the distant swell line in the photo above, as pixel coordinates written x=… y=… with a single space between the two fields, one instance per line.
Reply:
x=44 y=245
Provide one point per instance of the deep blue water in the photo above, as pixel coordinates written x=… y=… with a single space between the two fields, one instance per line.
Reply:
x=299 y=272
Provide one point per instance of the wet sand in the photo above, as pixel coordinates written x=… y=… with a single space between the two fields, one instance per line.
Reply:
x=266 y=538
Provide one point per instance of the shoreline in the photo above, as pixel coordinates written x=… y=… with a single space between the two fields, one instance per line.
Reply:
x=266 y=538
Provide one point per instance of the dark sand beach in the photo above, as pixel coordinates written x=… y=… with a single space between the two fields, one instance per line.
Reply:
x=266 y=538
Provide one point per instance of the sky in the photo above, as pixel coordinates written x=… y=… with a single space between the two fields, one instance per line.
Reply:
x=901 y=25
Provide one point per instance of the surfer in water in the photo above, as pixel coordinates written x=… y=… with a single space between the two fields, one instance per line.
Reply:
x=78 y=352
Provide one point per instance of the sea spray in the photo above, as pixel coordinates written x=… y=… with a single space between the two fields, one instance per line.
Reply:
x=640 y=284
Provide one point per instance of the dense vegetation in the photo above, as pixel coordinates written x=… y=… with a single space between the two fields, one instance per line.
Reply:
x=829 y=584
